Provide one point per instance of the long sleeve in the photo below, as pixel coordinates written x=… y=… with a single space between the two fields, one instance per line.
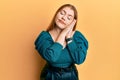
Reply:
x=78 y=48
x=49 y=50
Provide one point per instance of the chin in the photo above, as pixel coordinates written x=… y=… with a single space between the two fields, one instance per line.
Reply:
x=61 y=26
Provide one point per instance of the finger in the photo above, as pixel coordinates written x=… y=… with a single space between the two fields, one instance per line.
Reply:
x=71 y=27
x=72 y=33
x=73 y=23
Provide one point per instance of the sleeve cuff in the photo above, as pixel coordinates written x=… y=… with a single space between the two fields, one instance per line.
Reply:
x=72 y=46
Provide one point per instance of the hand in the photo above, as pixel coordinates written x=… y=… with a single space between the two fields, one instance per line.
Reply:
x=66 y=33
x=70 y=30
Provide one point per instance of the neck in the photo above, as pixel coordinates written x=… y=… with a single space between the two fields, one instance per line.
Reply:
x=57 y=31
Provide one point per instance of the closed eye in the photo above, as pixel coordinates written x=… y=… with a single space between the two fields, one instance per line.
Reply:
x=70 y=17
x=62 y=12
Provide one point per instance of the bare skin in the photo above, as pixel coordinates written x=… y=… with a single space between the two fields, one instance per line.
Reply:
x=60 y=35
x=64 y=28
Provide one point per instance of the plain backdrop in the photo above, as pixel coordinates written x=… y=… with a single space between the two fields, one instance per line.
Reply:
x=21 y=21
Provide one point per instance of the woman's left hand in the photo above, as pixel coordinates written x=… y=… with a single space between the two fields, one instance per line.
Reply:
x=71 y=32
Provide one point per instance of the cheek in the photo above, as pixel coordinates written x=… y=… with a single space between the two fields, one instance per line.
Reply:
x=69 y=22
x=58 y=16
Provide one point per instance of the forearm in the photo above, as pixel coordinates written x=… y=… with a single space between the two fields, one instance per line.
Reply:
x=61 y=38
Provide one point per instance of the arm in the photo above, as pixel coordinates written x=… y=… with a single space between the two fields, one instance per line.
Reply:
x=78 y=48
x=48 y=50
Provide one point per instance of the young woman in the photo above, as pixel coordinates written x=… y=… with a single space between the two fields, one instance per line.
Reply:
x=62 y=46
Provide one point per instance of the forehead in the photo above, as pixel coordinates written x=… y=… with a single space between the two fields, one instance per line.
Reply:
x=68 y=10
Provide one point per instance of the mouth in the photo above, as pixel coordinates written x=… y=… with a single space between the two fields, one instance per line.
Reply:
x=61 y=22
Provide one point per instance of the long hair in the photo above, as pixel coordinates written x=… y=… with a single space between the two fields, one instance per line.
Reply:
x=53 y=24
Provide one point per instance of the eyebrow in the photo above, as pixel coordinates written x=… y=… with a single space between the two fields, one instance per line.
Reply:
x=65 y=12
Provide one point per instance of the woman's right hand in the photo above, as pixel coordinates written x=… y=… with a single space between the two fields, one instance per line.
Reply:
x=68 y=31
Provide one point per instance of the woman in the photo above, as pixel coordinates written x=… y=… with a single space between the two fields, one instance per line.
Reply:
x=62 y=46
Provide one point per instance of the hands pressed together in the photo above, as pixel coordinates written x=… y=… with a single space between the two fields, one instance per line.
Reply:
x=66 y=33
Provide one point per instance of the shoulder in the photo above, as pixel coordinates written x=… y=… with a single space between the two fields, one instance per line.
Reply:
x=42 y=36
x=78 y=34
x=43 y=33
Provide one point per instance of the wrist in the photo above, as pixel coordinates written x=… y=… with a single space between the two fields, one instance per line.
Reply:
x=67 y=37
x=68 y=40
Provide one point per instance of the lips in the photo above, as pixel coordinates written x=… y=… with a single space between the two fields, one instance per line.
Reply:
x=61 y=21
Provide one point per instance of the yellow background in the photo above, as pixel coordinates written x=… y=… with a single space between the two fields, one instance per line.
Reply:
x=22 y=20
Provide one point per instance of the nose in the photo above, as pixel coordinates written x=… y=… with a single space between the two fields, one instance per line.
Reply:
x=63 y=17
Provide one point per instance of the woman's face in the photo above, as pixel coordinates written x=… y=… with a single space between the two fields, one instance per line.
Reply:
x=64 y=17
